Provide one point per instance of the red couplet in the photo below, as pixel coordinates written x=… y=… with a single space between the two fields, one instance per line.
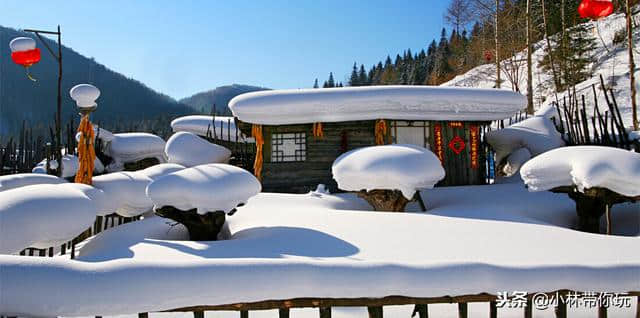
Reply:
x=595 y=9
x=26 y=58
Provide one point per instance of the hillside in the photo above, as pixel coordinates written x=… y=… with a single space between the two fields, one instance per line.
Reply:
x=220 y=96
x=609 y=60
x=124 y=102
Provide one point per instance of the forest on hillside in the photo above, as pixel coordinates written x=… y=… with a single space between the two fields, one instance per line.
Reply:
x=487 y=31
x=125 y=104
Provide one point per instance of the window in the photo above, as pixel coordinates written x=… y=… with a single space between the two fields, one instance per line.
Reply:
x=288 y=147
x=410 y=132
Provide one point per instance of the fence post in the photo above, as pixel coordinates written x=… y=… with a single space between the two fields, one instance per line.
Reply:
x=375 y=312
x=283 y=312
x=244 y=314
x=325 y=312
x=463 y=310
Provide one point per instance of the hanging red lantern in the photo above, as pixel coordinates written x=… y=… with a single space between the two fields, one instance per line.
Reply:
x=24 y=52
x=488 y=55
x=595 y=9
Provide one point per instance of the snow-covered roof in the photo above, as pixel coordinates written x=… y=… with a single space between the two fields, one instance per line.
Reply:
x=189 y=150
x=299 y=106
x=44 y=215
x=13 y=181
x=220 y=127
x=585 y=167
x=207 y=188
x=407 y=168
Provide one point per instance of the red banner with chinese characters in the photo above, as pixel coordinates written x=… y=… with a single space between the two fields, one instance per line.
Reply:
x=437 y=134
x=474 y=140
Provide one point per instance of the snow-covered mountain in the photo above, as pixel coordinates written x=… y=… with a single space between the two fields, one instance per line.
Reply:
x=611 y=61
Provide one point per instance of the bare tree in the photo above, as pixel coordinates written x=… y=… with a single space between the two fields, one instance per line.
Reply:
x=632 y=66
x=529 y=62
x=458 y=14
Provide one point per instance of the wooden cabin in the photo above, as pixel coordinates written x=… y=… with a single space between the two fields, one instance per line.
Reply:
x=305 y=130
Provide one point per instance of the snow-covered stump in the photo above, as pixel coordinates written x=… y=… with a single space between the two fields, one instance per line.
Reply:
x=200 y=197
x=594 y=177
x=388 y=177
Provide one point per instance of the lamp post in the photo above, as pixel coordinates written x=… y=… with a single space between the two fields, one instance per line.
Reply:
x=25 y=55
x=85 y=96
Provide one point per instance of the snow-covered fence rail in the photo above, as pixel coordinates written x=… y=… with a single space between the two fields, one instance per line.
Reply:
x=225 y=132
x=375 y=305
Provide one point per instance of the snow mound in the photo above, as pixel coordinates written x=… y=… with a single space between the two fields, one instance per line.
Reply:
x=161 y=170
x=131 y=147
x=537 y=134
x=207 y=188
x=125 y=191
x=221 y=127
x=189 y=150
x=13 y=181
x=299 y=106
x=407 y=168
x=70 y=166
x=44 y=215
x=585 y=167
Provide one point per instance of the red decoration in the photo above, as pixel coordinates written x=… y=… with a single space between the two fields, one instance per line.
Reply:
x=595 y=9
x=437 y=134
x=457 y=145
x=26 y=58
x=488 y=56
x=473 y=136
x=455 y=124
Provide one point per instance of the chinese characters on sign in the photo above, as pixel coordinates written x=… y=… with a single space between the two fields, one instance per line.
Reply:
x=437 y=134
x=473 y=136
x=541 y=301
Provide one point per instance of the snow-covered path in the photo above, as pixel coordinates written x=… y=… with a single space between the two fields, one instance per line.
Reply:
x=318 y=245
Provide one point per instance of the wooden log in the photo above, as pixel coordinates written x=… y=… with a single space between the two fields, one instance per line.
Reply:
x=325 y=312
x=463 y=310
x=375 y=311
x=198 y=314
x=385 y=200
x=493 y=309
x=244 y=314
x=143 y=315
x=283 y=313
x=201 y=227
x=602 y=311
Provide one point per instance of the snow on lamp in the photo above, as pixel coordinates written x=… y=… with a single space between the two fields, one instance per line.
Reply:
x=24 y=52
x=595 y=9
x=85 y=96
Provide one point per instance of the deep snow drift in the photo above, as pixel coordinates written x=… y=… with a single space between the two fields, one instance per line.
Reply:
x=189 y=150
x=317 y=245
x=407 y=168
x=13 y=181
x=299 y=106
x=586 y=167
x=207 y=188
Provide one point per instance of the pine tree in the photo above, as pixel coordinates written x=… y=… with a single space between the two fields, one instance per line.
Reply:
x=354 y=80
x=315 y=83
x=331 y=82
x=362 y=76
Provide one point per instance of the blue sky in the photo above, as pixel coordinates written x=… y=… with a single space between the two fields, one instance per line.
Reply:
x=181 y=47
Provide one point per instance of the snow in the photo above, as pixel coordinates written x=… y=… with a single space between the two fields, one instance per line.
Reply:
x=44 y=215
x=207 y=188
x=70 y=166
x=189 y=150
x=131 y=147
x=464 y=244
x=299 y=106
x=634 y=135
x=13 y=181
x=536 y=134
x=585 y=167
x=160 y=170
x=612 y=62
x=225 y=127
x=407 y=168
x=126 y=192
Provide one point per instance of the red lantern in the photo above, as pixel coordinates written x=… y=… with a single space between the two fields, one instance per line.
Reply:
x=595 y=9
x=26 y=58
x=488 y=55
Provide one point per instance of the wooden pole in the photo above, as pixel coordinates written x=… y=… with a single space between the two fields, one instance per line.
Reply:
x=463 y=310
x=493 y=309
x=632 y=67
x=59 y=107
x=375 y=312
x=498 y=79
x=325 y=312
x=283 y=313
x=529 y=62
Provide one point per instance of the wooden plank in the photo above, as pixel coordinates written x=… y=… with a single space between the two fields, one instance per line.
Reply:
x=198 y=314
x=325 y=312
x=375 y=311
x=422 y=310
x=602 y=312
x=244 y=314
x=463 y=310
x=493 y=309
x=283 y=313
x=143 y=315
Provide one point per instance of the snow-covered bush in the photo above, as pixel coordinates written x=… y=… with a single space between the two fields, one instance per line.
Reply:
x=595 y=177
x=126 y=193
x=199 y=197
x=536 y=134
x=189 y=150
x=126 y=148
x=390 y=173
x=70 y=166
x=161 y=170
x=46 y=215
x=202 y=125
x=13 y=181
